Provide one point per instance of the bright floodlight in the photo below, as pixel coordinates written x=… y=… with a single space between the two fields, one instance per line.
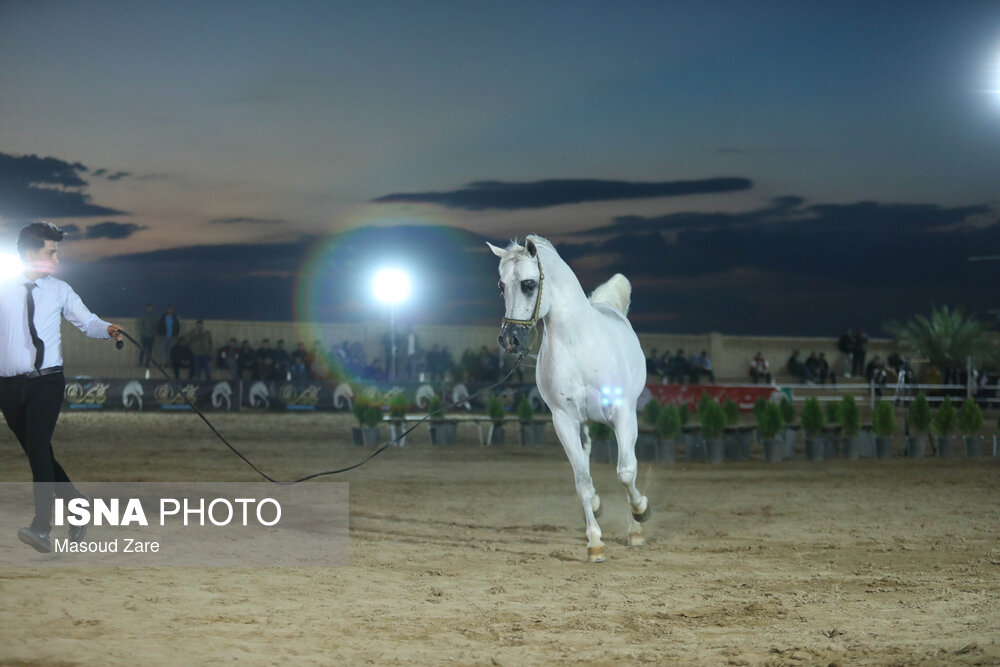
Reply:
x=10 y=265
x=391 y=286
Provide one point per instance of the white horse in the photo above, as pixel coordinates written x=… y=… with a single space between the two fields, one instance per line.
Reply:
x=590 y=365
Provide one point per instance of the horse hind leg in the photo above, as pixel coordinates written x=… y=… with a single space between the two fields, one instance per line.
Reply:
x=626 y=431
x=596 y=500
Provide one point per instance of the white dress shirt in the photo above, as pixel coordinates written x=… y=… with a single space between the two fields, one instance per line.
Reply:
x=53 y=298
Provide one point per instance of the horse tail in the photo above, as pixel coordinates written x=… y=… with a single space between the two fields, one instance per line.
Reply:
x=616 y=292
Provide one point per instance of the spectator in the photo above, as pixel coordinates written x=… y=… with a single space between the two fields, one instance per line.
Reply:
x=247 y=361
x=489 y=365
x=846 y=347
x=281 y=361
x=147 y=334
x=447 y=363
x=169 y=327
x=228 y=359
x=824 y=370
x=265 y=361
x=760 y=369
x=860 y=352
x=180 y=357
x=876 y=374
x=701 y=364
x=435 y=363
x=652 y=364
x=298 y=367
x=797 y=369
x=679 y=368
x=201 y=351
x=812 y=366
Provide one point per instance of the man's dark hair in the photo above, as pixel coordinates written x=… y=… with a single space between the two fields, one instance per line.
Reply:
x=34 y=236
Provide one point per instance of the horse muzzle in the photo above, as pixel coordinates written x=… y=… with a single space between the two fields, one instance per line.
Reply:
x=513 y=336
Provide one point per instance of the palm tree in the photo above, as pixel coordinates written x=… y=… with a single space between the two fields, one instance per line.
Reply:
x=946 y=339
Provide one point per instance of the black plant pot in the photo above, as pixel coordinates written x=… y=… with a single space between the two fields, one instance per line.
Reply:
x=647 y=447
x=915 y=446
x=852 y=448
x=694 y=448
x=364 y=436
x=973 y=446
x=883 y=446
x=945 y=446
x=531 y=433
x=815 y=447
x=444 y=433
x=666 y=451
x=495 y=436
x=715 y=450
x=774 y=449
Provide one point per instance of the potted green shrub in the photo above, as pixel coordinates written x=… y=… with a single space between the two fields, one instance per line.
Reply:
x=694 y=448
x=443 y=431
x=668 y=429
x=398 y=405
x=919 y=420
x=647 y=444
x=813 y=422
x=769 y=426
x=713 y=425
x=788 y=414
x=368 y=412
x=531 y=432
x=884 y=425
x=831 y=434
x=970 y=423
x=945 y=422
x=850 y=427
x=734 y=450
x=496 y=413
x=603 y=447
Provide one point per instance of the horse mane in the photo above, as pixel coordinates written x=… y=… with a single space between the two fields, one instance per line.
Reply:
x=616 y=292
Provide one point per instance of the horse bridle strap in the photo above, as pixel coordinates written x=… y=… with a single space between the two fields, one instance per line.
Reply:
x=538 y=301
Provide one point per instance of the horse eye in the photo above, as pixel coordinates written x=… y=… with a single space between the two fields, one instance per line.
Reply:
x=527 y=286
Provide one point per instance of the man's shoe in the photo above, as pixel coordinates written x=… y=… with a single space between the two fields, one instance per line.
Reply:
x=77 y=533
x=38 y=541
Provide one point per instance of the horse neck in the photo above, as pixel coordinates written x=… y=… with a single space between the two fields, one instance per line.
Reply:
x=567 y=300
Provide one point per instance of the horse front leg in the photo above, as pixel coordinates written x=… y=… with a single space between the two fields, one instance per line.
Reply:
x=568 y=429
x=626 y=431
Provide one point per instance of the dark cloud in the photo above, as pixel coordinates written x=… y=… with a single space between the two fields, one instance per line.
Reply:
x=247 y=221
x=542 y=194
x=104 y=173
x=45 y=187
x=112 y=230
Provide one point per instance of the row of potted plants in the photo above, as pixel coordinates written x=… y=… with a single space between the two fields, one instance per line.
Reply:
x=443 y=431
x=830 y=432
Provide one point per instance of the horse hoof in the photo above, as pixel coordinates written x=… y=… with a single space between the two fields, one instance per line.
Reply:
x=596 y=554
x=643 y=516
x=636 y=540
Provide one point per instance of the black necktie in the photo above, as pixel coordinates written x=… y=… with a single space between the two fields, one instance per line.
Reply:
x=39 y=345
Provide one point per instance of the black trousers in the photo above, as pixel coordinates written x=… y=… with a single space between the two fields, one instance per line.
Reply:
x=31 y=408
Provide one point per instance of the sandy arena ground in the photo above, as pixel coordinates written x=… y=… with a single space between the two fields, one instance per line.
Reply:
x=473 y=555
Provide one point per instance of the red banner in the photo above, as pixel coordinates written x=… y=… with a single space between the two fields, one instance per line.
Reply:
x=745 y=396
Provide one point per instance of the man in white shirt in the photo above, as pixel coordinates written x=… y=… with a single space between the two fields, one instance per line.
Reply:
x=31 y=377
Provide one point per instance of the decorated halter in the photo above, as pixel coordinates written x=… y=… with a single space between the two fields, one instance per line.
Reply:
x=538 y=301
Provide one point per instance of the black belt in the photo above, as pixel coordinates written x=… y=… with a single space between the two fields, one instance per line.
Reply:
x=51 y=370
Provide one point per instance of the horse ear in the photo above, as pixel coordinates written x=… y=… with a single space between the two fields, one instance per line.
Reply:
x=532 y=250
x=499 y=252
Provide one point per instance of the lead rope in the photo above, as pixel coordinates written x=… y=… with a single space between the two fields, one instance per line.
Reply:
x=326 y=472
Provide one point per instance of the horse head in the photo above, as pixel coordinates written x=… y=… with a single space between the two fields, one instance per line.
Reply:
x=521 y=285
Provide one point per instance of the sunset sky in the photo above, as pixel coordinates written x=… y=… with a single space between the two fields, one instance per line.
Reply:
x=758 y=168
